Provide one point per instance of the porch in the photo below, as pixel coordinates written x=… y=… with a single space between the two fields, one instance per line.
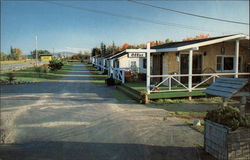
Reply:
x=138 y=89
x=159 y=80
x=174 y=88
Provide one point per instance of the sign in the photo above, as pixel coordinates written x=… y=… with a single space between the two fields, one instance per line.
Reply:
x=46 y=58
x=136 y=55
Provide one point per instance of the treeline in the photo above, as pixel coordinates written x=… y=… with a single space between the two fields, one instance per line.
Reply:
x=112 y=49
x=15 y=54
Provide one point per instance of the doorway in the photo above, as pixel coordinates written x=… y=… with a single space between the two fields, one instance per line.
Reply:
x=197 y=67
x=157 y=67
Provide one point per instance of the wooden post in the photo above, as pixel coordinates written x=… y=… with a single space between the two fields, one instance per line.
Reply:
x=243 y=102
x=103 y=64
x=123 y=76
x=236 y=67
x=113 y=71
x=148 y=69
x=111 y=66
x=224 y=102
x=190 y=70
x=169 y=83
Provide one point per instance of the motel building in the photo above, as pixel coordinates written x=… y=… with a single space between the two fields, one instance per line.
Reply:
x=185 y=66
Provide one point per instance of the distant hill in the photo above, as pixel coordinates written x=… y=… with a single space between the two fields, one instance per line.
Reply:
x=65 y=53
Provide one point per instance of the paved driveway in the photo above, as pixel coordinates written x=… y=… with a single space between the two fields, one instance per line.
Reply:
x=75 y=119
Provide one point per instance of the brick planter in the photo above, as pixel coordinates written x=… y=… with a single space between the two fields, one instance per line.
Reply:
x=225 y=144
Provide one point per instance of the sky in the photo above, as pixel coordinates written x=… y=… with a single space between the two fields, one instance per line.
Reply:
x=84 y=24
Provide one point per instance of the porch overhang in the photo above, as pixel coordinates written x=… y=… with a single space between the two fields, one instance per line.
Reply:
x=196 y=46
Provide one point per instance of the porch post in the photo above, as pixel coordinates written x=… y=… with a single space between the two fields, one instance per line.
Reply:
x=236 y=67
x=190 y=70
x=103 y=64
x=148 y=68
x=111 y=67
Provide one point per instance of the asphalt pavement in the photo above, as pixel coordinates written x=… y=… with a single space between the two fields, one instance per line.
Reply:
x=73 y=119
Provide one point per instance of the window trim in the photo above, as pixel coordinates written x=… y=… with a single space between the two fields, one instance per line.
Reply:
x=222 y=63
x=133 y=65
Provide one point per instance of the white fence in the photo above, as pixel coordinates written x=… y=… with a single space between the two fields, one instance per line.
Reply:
x=176 y=78
x=119 y=74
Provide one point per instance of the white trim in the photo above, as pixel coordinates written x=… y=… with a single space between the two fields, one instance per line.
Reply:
x=140 y=50
x=148 y=69
x=116 y=54
x=236 y=59
x=197 y=45
x=228 y=71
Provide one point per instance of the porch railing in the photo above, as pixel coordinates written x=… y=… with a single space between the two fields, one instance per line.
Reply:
x=119 y=74
x=185 y=87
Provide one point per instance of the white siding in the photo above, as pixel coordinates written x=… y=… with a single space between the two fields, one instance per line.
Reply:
x=125 y=62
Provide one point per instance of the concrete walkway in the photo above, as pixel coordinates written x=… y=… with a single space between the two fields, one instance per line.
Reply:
x=73 y=119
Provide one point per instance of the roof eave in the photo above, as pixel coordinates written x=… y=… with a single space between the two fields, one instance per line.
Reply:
x=200 y=44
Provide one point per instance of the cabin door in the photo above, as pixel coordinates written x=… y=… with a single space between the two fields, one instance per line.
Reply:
x=197 y=67
x=157 y=67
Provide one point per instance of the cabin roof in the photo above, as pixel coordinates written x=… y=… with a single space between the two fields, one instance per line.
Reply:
x=184 y=45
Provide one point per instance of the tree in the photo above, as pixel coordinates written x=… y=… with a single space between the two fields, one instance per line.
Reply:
x=87 y=52
x=40 y=52
x=3 y=56
x=95 y=51
x=103 y=49
x=15 y=53
x=200 y=36
x=168 y=41
x=125 y=46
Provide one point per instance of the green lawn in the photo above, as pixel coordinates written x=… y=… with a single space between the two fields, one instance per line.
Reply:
x=30 y=75
x=97 y=78
x=141 y=87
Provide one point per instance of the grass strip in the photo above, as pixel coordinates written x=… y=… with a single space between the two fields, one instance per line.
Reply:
x=30 y=75
x=16 y=62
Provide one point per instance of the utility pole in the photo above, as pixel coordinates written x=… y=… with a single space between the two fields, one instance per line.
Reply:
x=36 y=53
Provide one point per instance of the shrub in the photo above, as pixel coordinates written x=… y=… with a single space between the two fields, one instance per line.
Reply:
x=10 y=77
x=55 y=65
x=45 y=68
x=37 y=69
x=110 y=81
x=229 y=116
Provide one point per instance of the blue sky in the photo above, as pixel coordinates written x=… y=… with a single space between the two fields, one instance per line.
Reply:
x=69 y=29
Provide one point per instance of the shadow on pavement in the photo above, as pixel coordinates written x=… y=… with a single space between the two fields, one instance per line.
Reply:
x=54 y=150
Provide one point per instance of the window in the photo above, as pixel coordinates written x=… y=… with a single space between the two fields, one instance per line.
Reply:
x=133 y=63
x=144 y=63
x=226 y=63
x=219 y=63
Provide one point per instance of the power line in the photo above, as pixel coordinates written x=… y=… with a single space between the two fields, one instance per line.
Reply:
x=131 y=17
x=190 y=14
